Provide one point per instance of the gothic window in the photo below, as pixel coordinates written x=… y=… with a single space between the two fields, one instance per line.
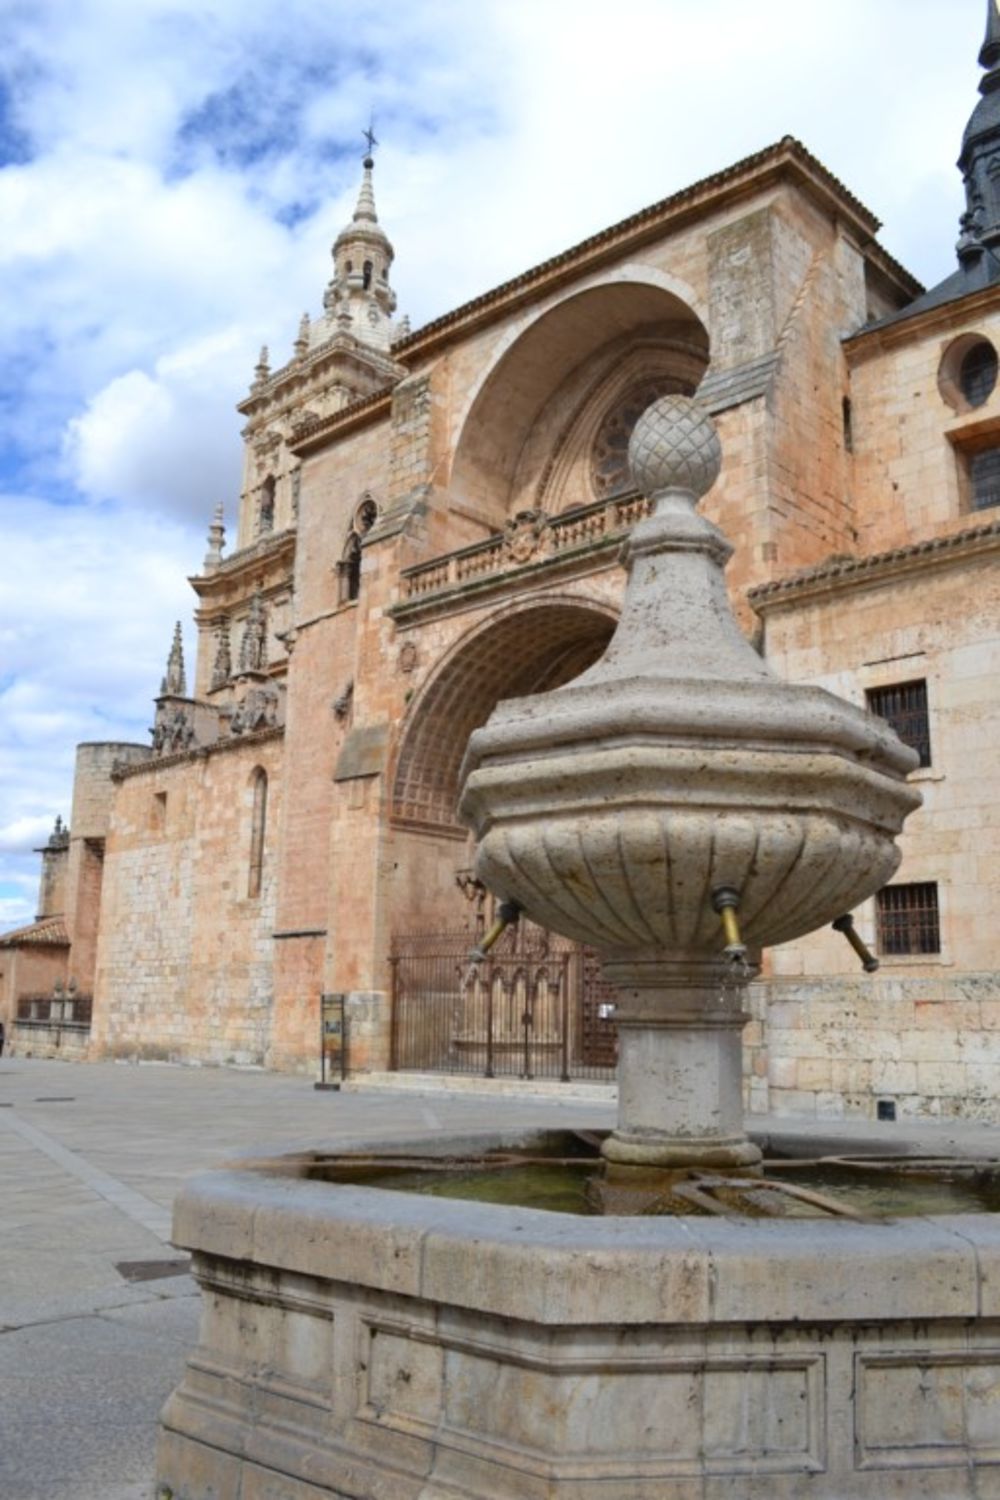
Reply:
x=257 y=827
x=908 y=918
x=350 y=569
x=903 y=705
x=367 y=274
x=609 y=458
x=367 y=515
x=266 y=516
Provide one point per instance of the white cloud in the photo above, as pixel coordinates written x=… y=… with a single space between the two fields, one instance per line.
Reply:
x=176 y=173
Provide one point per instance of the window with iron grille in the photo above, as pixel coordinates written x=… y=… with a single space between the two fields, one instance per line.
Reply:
x=984 y=474
x=903 y=705
x=908 y=918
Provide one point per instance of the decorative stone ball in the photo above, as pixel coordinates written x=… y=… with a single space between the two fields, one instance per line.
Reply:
x=674 y=445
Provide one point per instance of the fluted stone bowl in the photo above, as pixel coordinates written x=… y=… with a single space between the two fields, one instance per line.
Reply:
x=611 y=809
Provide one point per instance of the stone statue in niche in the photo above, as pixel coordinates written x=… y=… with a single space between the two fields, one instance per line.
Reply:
x=253 y=646
x=222 y=667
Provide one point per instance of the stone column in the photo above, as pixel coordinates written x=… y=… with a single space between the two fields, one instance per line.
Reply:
x=680 y=1026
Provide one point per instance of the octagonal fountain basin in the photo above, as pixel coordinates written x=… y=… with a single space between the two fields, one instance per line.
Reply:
x=384 y=1345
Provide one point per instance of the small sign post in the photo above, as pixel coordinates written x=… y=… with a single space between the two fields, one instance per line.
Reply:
x=332 y=1041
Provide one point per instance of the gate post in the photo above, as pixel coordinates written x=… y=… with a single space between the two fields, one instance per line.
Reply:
x=394 y=1014
x=564 y=1011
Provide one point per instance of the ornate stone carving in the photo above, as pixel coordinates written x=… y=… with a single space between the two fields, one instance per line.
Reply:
x=258 y=710
x=522 y=535
x=222 y=667
x=173 y=730
x=409 y=656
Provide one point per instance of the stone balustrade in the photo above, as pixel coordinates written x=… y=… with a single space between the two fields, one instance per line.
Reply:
x=529 y=538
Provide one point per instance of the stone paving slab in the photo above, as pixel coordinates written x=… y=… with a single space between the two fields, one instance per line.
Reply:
x=91 y=1157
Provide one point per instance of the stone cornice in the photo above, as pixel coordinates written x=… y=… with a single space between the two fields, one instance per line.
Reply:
x=298 y=374
x=788 y=159
x=858 y=572
x=122 y=772
x=867 y=343
x=369 y=409
x=279 y=548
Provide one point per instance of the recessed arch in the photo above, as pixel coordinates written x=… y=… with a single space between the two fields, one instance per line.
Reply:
x=531 y=649
x=556 y=347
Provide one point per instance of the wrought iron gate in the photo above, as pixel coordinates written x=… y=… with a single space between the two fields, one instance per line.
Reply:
x=536 y=1007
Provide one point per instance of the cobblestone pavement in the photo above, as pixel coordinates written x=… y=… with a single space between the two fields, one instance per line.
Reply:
x=90 y=1159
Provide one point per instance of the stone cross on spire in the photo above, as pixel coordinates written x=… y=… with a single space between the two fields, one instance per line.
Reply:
x=174 y=684
x=369 y=136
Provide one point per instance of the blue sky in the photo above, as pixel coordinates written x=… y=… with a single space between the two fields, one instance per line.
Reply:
x=173 y=172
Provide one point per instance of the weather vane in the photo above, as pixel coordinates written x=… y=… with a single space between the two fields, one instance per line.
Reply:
x=369 y=134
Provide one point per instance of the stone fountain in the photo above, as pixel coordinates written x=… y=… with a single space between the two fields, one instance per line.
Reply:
x=678 y=807
x=677 y=777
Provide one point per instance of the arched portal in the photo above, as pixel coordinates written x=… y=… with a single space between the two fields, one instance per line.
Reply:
x=561 y=374
x=527 y=650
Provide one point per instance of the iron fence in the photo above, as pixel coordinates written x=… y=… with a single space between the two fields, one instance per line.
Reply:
x=535 y=1007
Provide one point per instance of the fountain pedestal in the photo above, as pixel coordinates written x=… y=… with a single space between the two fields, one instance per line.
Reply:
x=680 y=1027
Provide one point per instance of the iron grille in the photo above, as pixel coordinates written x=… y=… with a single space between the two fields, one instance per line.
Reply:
x=904 y=707
x=536 y=1007
x=908 y=918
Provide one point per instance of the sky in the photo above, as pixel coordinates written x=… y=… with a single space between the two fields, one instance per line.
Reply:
x=173 y=173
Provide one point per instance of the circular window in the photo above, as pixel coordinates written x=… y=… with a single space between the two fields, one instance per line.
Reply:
x=609 y=470
x=967 y=375
x=977 y=374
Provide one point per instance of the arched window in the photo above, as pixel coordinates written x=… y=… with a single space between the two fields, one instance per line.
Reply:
x=258 y=824
x=350 y=569
x=266 y=517
x=367 y=272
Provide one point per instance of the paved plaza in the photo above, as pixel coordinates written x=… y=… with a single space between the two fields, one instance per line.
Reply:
x=91 y=1157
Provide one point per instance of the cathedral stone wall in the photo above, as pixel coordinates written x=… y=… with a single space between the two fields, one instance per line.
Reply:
x=185 y=958
x=925 y=1031
x=912 y=445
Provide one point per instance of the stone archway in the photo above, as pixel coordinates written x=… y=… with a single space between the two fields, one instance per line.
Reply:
x=531 y=649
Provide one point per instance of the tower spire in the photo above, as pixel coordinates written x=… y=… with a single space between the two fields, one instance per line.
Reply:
x=359 y=300
x=980 y=223
x=174 y=684
x=989 y=53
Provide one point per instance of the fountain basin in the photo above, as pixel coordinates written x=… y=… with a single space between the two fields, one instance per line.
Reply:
x=387 y=1346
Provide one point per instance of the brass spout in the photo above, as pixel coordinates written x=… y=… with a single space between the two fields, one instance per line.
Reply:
x=725 y=901
x=845 y=924
x=507 y=913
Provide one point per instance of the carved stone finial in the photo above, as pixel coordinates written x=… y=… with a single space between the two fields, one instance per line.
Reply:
x=216 y=540
x=253 y=646
x=674 y=446
x=59 y=837
x=174 y=684
x=222 y=667
x=262 y=369
x=302 y=338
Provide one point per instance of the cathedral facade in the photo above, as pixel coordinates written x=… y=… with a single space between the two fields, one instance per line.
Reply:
x=430 y=521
